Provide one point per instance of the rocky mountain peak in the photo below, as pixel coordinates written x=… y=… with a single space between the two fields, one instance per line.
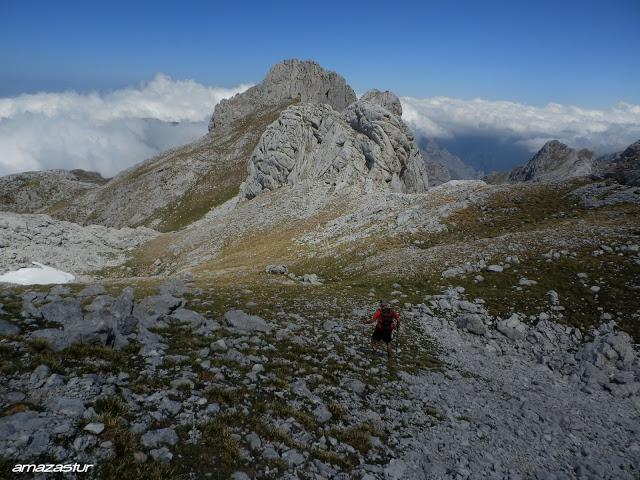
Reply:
x=288 y=82
x=555 y=161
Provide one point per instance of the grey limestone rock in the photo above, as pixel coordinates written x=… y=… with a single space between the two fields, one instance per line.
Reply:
x=154 y=438
x=623 y=166
x=386 y=99
x=7 y=328
x=243 y=321
x=472 y=322
x=438 y=173
x=554 y=162
x=32 y=192
x=364 y=144
x=288 y=81
x=277 y=269
x=512 y=328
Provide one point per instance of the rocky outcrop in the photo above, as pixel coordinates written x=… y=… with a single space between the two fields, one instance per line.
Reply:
x=554 y=162
x=290 y=81
x=623 y=166
x=386 y=99
x=365 y=144
x=32 y=192
x=25 y=238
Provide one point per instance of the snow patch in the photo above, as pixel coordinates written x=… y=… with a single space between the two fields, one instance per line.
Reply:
x=42 y=275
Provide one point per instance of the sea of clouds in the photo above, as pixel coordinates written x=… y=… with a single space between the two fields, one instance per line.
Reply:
x=604 y=131
x=111 y=131
x=105 y=132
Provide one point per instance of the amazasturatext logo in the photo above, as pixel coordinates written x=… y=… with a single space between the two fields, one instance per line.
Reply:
x=52 y=468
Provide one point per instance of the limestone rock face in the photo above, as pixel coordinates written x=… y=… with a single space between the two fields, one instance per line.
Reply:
x=386 y=99
x=366 y=143
x=289 y=81
x=554 y=162
x=395 y=153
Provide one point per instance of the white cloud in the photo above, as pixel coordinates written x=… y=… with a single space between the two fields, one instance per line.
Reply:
x=106 y=132
x=601 y=130
x=109 y=132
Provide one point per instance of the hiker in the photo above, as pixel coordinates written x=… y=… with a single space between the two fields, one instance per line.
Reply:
x=387 y=320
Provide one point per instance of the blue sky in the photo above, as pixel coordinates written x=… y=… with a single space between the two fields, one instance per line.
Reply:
x=584 y=53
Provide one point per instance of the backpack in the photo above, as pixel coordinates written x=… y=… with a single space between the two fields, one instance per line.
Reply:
x=386 y=320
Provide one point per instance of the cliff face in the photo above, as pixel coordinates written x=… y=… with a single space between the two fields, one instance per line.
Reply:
x=367 y=144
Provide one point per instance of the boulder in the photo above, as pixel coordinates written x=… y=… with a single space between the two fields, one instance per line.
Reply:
x=29 y=429
x=63 y=311
x=471 y=322
x=277 y=269
x=96 y=428
x=7 y=328
x=154 y=438
x=56 y=338
x=322 y=413
x=188 y=316
x=513 y=328
x=311 y=279
x=243 y=321
x=69 y=406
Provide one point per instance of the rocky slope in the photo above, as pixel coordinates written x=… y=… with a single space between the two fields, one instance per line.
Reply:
x=177 y=384
x=623 y=166
x=33 y=192
x=554 y=162
x=27 y=238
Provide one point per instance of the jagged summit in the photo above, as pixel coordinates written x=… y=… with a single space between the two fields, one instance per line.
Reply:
x=289 y=81
x=555 y=161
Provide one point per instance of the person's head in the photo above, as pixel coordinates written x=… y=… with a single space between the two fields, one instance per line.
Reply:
x=384 y=305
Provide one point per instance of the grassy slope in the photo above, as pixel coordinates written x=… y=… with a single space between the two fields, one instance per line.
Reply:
x=222 y=181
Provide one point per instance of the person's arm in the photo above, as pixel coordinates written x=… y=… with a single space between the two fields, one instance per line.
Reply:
x=396 y=317
x=374 y=318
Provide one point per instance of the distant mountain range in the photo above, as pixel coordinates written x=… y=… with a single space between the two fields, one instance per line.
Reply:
x=556 y=162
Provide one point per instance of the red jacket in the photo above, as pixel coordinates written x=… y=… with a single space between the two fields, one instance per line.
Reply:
x=377 y=317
